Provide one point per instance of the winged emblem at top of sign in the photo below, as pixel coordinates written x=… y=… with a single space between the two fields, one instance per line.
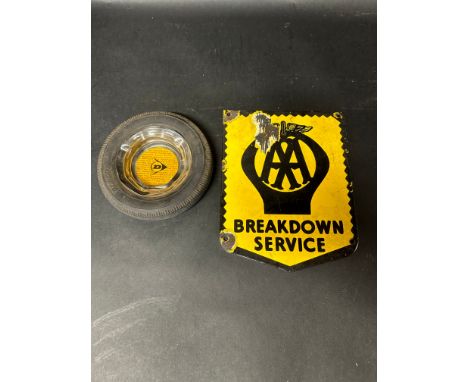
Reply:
x=269 y=133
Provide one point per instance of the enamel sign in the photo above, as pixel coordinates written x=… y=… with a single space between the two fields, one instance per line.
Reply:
x=287 y=193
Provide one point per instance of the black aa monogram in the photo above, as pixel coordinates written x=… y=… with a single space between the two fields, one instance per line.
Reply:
x=276 y=200
x=285 y=166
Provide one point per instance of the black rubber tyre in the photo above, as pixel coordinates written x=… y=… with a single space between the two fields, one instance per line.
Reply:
x=143 y=207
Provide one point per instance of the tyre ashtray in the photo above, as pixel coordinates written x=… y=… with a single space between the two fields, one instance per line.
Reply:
x=154 y=166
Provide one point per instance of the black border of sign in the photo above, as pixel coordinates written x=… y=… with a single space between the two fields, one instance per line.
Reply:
x=330 y=256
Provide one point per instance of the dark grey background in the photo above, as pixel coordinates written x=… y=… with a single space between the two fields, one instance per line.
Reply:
x=167 y=303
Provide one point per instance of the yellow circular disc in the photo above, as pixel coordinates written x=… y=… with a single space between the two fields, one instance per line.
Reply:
x=156 y=166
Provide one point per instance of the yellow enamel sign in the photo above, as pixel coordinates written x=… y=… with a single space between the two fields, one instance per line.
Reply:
x=287 y=194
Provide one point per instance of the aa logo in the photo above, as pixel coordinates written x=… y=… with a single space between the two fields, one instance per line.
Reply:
x=278 y=169
x=285 y=164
